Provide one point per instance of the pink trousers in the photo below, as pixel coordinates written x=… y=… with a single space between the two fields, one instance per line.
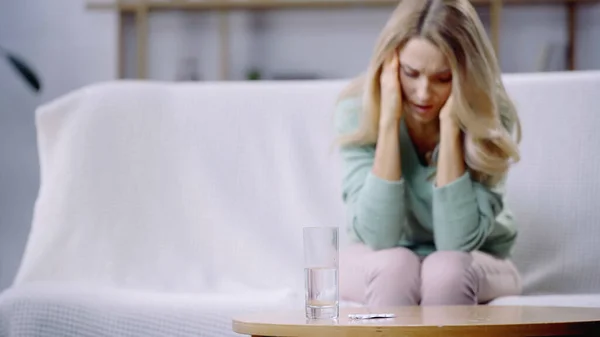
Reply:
x=398 y=277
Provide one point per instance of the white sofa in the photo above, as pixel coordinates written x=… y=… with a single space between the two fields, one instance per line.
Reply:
x=166 y=208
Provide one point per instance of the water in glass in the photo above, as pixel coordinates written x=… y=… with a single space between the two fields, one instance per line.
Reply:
x=321 y=292
x=321 y=272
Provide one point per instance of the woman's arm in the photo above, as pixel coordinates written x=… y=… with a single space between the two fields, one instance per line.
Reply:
x=464 y=212
x=387 y=164
x=451 y=164
x=373 y=188
x=387 y=154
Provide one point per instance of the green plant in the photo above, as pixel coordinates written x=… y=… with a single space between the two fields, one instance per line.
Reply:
x=253 y=75
x=21 y=67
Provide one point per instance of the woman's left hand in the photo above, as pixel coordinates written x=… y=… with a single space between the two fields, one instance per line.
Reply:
x=447 y=121
x=446 y=112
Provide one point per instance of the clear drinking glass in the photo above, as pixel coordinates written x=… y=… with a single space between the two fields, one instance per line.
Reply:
x=321 y=287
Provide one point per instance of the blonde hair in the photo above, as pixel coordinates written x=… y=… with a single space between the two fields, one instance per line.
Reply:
x=483 y=109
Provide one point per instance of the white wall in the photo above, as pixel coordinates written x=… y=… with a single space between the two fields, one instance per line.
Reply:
x=18 y=162
x=72 y=47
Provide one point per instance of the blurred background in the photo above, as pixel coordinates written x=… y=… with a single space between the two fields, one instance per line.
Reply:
x=71 y=43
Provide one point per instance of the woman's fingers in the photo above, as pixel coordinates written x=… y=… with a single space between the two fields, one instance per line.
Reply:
x=395 y=61
x=389 y=63
x=389 y=73
x=390 y=90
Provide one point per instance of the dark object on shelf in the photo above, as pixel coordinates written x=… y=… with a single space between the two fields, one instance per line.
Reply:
x=22 y=69
x=188 y=70
x=253 y=75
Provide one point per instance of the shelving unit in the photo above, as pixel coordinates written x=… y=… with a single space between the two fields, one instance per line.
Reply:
x=141 y=8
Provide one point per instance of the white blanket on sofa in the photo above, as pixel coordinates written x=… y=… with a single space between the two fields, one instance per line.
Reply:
x=205 y=187
x=182 y=187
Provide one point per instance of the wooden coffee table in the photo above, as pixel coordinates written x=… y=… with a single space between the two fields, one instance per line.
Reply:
x=434 y=321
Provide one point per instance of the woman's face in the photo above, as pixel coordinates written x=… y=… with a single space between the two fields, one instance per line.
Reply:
x=425 y=78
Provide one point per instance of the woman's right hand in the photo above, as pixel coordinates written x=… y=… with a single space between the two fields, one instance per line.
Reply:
x=391 y=95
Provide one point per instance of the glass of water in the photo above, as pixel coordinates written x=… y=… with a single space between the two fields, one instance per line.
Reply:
x=321 y=288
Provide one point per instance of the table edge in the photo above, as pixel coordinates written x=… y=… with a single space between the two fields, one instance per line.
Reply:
x=584 y=328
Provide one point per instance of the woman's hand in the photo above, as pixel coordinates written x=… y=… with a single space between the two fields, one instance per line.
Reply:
x=387 y=154
x=447 y=123
x=446 y=112
x=391 y=94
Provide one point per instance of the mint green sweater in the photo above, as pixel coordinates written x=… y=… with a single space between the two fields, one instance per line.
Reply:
x=411 y=212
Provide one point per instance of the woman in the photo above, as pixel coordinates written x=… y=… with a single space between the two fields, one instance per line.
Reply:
x=426 y=146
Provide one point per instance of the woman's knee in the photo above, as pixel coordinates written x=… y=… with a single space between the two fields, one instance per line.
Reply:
x=448 y=278
x=393 y=277
x=393 y=262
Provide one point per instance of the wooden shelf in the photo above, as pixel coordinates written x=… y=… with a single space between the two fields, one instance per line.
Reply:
x=241 y=4
x=141 y=8
x=281 y=4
